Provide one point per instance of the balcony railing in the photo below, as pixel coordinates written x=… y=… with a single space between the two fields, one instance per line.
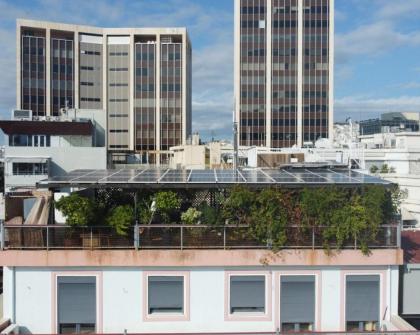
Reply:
x=173 y=237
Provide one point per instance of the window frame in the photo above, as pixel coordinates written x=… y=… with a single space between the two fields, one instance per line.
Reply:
x=99 y=297
x=249 y=316
x=317 y=297
x=318 y=294
x=382 y=294
x=185 y=316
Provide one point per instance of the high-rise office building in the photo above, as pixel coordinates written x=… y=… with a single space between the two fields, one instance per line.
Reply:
x=141 y=77
x=283 y=71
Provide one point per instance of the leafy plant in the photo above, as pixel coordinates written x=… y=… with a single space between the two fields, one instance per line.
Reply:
x=269 y=219
x=167 y=203
x=191 y=216
x=121 y=218
x=238 y=206
x=384 y=168
x=210 y=215
x=373 y=169
x=78 y=210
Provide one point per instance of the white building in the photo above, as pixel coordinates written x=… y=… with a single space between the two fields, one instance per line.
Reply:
x=152 y=282
x=37 y=149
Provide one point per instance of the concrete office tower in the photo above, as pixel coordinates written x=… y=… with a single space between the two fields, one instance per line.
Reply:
x=284 y=71
x=141 y=77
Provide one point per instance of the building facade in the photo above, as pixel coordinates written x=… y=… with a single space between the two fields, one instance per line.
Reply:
x=141 y=77
x=284 y=71
x=391 y=123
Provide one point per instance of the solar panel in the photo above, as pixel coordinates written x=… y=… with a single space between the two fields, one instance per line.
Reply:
x=175 y=176
x=149 y=176
x=156 y=175
x=93 y=176
x=256 y=177
x=202 y=176
x=281 y=176
x=229 y=176
x=121 y=176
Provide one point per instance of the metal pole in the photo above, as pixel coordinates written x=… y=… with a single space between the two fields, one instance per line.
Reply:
x=136 y=236
x=48 y=238
x=2 y=235
x=313 y=237
x=182 y=238
x=235 y=145
x=399 y=235
x=91 y=238
x=224 y=237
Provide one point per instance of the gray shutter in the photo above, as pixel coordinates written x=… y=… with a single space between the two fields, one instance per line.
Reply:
x=362 y=298
x=247 y=293
x=76 y=300
x=166 y=294
x=297 y=299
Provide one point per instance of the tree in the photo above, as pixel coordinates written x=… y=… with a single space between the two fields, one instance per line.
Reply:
x=384 y=168
x=121 y=218
x=238 y=205
x=167 y=203
x=373 y=169
x=269 y=219
x=78 y=210
x=191 y=216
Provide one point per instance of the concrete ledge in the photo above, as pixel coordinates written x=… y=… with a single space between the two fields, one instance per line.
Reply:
x=43 y=258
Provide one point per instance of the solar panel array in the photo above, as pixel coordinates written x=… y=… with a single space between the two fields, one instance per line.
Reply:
x=161 y=176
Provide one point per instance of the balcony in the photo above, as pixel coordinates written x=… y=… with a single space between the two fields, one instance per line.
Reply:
x=173 y=236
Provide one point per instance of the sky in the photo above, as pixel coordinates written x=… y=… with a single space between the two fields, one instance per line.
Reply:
x=377 y=51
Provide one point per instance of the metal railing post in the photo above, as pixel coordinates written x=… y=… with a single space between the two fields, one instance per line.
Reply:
x=313 y=238
x=48 y=238
x=182 y=237
x=224 y=237
x=399 y=235
x=2 y=235
x=136 y=236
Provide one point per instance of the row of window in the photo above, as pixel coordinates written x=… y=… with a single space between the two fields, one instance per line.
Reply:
x=118 y=69
x=29 y=141
x=93 y=53
x=63 y=68
x=171 y=56
x=33 y=51
x=253 y=10
x=84 y=99
x=26 y=169
x=118 y=54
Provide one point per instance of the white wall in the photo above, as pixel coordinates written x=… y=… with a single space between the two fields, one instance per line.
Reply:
x=62 y=160
x=123 y=300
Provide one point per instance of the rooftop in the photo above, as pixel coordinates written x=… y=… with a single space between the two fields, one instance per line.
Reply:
x=211 y=178
x=23 y=127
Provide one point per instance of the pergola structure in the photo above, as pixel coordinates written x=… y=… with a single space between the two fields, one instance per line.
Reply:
x=209 y=179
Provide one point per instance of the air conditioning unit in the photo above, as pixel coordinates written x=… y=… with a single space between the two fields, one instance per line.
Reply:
x=22 y=114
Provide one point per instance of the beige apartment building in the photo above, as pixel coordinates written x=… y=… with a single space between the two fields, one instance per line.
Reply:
x=284 y=61
x=139 y=77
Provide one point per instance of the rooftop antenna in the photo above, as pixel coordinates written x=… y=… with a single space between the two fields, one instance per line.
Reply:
x=235 y=138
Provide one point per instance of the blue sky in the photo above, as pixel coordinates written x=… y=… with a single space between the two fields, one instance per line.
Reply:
x=377 y=50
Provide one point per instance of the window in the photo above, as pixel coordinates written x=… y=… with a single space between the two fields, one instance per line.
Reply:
x=20 y=140
x=76 y=304
x=247 y=294
x=297 y=303
x=165 y=294
x=362 y=302
x=20 y=169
